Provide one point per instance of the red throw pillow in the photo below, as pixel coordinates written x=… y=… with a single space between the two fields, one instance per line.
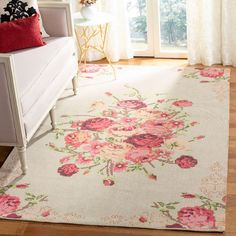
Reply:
x=20 y=34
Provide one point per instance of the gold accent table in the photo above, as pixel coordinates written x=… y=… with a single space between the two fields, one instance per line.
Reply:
x=90 y=31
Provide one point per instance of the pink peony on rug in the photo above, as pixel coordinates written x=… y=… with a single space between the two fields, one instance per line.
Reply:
x=148 y=150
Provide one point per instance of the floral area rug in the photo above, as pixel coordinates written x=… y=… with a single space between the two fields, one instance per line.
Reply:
x=147 y=150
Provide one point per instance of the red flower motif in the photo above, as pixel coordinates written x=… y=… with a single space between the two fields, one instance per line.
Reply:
x=152 y=177
x=177 y=124
x=96 y=124
x=131 y=104
x=145 y=140
x=68 y=170
x=76 y=139
x=108 y=182
x=76 y=124
x=163 y=153
x=194 y=123
x=13 y=216
x=182 y=103
x=186 y=162
x=95 y=147
x=196 y=217
x=109 y=113
x=159 y=128
x=45 y=213
x=212 y=72
x=8 y=204
x=89 y=68
x=82 y=160
x=142 y=219
x=140 y=155
x=188 y=195
x=22 y=186
x=120 y=166
x=64 y=160
x=224 y=199
x=128 y=120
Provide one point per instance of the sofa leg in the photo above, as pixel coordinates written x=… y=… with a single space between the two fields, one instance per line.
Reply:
x=75 y=85
x=53 y=117
x=22 y=156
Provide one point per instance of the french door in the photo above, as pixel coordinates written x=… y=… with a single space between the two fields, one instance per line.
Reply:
x=158 y=28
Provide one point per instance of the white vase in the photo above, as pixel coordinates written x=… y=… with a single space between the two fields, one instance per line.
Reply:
x=89 y=12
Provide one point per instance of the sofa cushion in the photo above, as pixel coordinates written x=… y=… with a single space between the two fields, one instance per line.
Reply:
x=18 y=9
x=27 y=31
x=37 y=68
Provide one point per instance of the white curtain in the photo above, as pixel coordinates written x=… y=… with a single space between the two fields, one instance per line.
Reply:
x=119 y=43
x=211 y=31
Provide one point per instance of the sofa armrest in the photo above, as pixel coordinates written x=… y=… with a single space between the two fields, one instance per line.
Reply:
x=57 y=18
x=12 y=130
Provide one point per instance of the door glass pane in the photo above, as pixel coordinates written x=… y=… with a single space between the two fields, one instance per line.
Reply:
x=137 y=11
x=173 y=25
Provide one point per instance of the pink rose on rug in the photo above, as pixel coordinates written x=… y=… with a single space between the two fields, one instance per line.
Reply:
x=22 y=186
x=8 y=204
x=164 y=114
x=212 y=72
x=158 y=127
x=120 y=166
x=82 y=160
x=186 y=162
x=122 y=129
x=108 y=182
x=64 y=160
x=143 y=219
x=77 y=138
x=68 y=170
x=182 y=103
x=177 y=124
x=163 y=153
x=196 y=217
x=96 y=124
x=76 y=124
x=109 y=113
x=140 y=155
x=90 y=68
x=145 y=140
x=128 y=120
x=45 y=213
x=95 y=147
x=188 y=195
x=131 y=104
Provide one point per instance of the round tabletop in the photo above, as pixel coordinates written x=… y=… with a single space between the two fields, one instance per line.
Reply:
x=99 y=19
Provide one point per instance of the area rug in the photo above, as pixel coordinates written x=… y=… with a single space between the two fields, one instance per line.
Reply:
x=147 y=150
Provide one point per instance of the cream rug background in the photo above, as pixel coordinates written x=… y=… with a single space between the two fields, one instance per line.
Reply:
x=147 y=150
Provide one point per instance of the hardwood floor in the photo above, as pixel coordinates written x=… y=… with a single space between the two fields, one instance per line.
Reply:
x=36 y=229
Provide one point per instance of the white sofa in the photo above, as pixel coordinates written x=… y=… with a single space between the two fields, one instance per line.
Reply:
x=32 y=80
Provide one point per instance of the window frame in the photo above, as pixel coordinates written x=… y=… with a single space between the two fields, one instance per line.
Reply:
x=153 y=35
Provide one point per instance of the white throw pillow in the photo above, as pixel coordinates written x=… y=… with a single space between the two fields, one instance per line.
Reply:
x=16 y=9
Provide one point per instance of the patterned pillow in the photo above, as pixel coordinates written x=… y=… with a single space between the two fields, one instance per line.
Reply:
x=16 y=9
